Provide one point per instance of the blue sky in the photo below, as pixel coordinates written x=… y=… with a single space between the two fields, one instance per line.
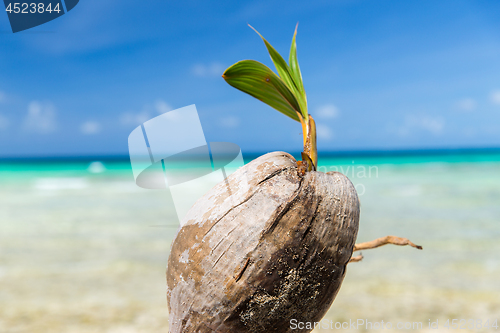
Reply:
x=378 y=74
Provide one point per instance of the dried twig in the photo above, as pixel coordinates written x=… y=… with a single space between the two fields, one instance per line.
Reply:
x=356 y=258
x=383 y=241
x=379 y=242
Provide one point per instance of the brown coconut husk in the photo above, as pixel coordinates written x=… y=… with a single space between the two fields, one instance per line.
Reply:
x=272 y=250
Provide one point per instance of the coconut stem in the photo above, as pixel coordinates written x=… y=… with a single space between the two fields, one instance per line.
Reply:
x=310 y=153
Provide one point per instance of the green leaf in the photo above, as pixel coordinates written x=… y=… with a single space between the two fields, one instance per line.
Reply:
x=261 y=82
x=279 y=62
x=297 y=76
x=294 y=65
x=285 y=73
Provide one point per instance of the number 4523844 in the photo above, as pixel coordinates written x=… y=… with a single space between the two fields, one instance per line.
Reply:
x=470 y=324
x=32 y=8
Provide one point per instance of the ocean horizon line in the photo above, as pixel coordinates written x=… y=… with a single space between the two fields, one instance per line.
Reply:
x=418 y=152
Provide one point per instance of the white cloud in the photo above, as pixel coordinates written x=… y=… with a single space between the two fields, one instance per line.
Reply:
x=41 y=118
x=415 y=123
x=495 y=97
x=433 y=125
x=4 y=122
x=136 y=119
x=147 y=112
x=324 y=132
x=328 y=111
x=90 y=127
x=214 y=69
x=162 y=106
x=467 y=104
x=230 y=122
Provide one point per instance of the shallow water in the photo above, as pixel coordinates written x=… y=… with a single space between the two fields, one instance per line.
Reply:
x=84 y=250
x=453 y=211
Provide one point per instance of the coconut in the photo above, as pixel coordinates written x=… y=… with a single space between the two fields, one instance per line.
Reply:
x=274 y=250
x=271 y=243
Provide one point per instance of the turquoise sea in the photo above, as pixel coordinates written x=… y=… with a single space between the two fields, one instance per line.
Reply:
x=83 y=249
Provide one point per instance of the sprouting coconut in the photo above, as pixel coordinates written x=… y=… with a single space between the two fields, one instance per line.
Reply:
x=275 y=246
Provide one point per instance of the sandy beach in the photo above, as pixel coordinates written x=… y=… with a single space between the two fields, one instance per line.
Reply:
x=86 y=252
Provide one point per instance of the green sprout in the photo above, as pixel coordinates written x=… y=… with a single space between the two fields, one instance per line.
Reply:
x=283 y=92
